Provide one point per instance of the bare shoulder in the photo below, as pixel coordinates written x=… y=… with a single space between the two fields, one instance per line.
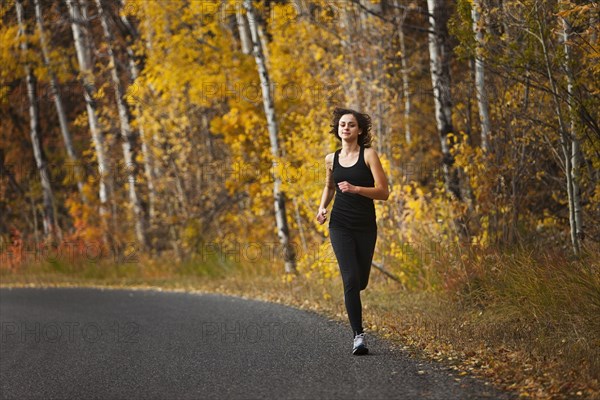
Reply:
x=329 y=159
x=369 y=151
x=371 y=155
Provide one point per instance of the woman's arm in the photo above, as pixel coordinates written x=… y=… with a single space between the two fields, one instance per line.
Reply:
x=328 y=190
x=381 y=190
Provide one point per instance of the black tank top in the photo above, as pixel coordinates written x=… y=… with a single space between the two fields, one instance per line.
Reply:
x=352 y=210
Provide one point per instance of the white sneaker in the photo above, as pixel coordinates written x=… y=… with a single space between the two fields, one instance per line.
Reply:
x=360 y=345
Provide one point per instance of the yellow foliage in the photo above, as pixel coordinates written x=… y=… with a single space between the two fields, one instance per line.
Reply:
x=9 y=49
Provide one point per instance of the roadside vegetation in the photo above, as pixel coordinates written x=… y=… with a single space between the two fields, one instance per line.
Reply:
x=524 y=320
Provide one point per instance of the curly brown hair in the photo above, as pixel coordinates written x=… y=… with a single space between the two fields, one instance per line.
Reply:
x=364 y=124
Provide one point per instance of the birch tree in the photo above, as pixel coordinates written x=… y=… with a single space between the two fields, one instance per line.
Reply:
x=405 y=77
x=89 y=94
x=482 y=100
x=49 y=221
x=565 y=141
x=132 y=34
x=440 y=80
x=127 y=135
x=58 y=101
x=575 y=212
x=269 y=106
x=348 y=44
x=243 y=31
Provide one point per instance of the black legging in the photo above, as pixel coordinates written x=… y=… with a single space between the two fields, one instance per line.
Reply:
x=354 y=253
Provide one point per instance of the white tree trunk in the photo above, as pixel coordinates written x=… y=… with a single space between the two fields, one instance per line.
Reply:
x=349 y=28
x=440 y=80
x=244 y=32
x=577 y=234
x=565 y=141
x=127 y=136
x=482 y=99
x=58 y=103
x=49 y=220
x=155 y=141
x=405 y=87
x=146 y=149
x=405 y=76
x=269 y=106
x=89 y=93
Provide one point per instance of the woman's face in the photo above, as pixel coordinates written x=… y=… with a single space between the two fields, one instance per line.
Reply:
x=348 y=128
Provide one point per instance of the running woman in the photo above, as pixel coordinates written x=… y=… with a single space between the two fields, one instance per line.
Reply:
x=356 y=177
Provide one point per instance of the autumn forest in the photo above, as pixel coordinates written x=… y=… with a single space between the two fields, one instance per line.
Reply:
x=178 y=134
x=178 y=126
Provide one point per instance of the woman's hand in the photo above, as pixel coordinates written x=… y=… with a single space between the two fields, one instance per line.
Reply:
x=346 y=187
x=322 y=215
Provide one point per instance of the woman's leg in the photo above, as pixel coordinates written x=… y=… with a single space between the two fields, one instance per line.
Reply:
x=345 y=249
x=365 y=248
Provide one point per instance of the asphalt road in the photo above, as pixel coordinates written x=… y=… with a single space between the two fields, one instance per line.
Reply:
x=128 y=344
